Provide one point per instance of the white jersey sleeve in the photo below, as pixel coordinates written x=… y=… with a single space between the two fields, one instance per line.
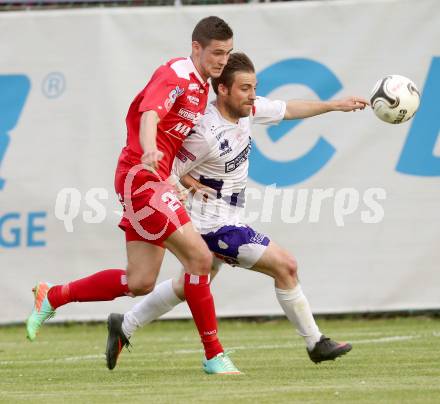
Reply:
x=194 y=151
x=267 y=111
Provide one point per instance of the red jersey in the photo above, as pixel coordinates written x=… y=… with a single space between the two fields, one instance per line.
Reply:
x=178 y=94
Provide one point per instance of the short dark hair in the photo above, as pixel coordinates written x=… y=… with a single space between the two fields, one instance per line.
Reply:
x=237 y=62
x=210 y=28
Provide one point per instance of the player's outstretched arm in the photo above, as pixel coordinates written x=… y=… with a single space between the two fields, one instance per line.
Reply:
x=298 y=109
x=147 y=138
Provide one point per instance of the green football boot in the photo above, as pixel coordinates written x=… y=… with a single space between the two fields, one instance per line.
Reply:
x=41 y=312
x=220 y=365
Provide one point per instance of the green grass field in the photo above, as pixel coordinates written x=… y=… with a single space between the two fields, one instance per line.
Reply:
x=392 y=361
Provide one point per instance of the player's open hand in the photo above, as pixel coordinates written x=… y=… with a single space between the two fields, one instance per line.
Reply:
x=150 y=159
x=350 y=104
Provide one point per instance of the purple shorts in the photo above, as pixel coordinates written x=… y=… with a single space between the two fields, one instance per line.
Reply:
x=238 y=245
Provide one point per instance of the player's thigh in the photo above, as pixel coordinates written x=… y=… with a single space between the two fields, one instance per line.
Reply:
x=237 y=245
x=144 y=262
x=276 y=262
x=190 y=249
x=152 y=210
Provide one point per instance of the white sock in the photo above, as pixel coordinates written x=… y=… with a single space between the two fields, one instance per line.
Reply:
x=160 y=301
x=297 y=309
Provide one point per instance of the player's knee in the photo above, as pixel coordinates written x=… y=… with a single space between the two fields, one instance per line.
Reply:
x=140 y=287
x=201 y=261
x=288 y=270
x=291 y=267
x=137 y=282
x=205 y=262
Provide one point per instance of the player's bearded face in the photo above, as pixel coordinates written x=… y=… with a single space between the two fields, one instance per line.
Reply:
x=241 y=96
x=213 y=58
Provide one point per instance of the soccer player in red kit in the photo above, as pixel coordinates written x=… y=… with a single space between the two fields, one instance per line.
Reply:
x=158 y=120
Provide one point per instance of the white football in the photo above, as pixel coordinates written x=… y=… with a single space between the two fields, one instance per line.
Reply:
x=395 y=99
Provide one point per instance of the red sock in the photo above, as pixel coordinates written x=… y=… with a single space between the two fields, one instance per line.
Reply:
x=101 y=286
x=200 y=301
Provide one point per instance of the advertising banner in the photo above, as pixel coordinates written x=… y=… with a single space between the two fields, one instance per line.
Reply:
x=354 y=199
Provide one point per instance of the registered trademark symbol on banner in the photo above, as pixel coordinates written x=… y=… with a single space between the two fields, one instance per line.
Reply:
x=54 y=85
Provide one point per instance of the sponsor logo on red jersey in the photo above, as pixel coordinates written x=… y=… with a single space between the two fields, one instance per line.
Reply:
x=184 y=154
x=179 y=131
x=172 y=97
x=193 y=87
x=191 y=116
x=193 y=100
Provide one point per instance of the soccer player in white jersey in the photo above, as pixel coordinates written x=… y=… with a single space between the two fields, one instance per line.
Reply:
x=213 y=162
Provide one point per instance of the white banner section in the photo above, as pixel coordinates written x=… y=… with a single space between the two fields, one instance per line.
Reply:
x=356 y=200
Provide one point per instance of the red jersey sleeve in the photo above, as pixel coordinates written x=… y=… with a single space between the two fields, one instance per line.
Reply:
x=161 y=92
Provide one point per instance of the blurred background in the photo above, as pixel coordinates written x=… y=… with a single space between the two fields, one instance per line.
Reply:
x=356 y=200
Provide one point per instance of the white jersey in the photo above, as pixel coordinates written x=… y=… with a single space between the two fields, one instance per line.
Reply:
x=216 y=154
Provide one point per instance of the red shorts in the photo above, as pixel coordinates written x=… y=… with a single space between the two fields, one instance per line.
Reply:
x=152 y=210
